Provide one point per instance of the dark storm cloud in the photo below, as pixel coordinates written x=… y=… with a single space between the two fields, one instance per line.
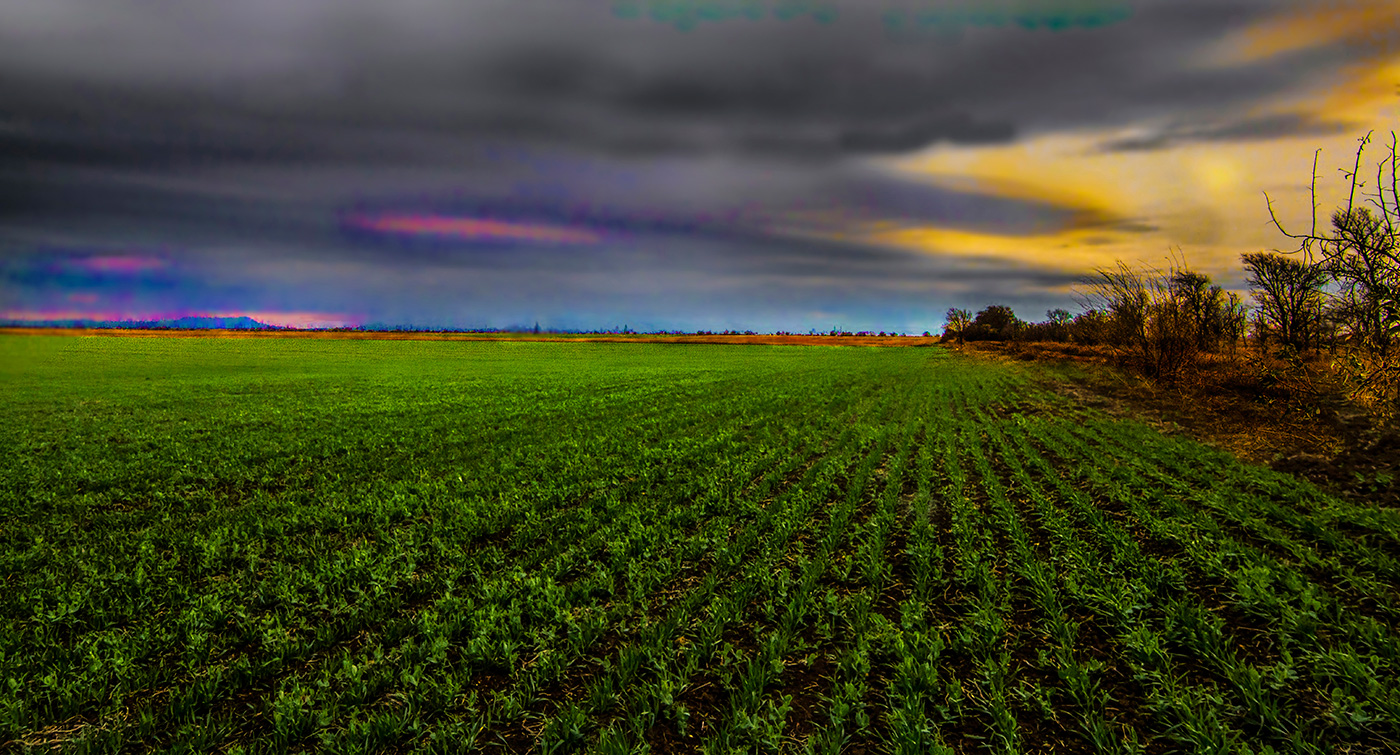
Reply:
x=89 y=269
x=957 y=128
x=165 y=86
x=746 y=206
x=238 y=135
x=299 y=206
x=663 y=282
x=1259 y=128
x=86 y=80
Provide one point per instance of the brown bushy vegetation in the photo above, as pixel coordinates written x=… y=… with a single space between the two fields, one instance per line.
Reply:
x=1338 y=297
x=1288 y=413
x=1157 y=323
x=1359 y=318
x=1307 y=379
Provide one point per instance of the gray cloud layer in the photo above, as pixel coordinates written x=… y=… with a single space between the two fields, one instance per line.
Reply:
x=248 y=125
x=293 y=79
x=1246 y=129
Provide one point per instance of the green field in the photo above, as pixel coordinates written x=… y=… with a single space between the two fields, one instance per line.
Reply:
x=358 y=546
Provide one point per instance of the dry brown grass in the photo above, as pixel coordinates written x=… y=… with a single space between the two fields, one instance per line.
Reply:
x=1294 y=415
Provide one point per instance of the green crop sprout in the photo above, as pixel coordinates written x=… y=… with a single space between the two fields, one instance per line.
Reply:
x=599 y=548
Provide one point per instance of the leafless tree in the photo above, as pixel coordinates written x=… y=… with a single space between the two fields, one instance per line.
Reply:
x=1146 y=325
x=1361 y=253
x=1057 y=323
x=996 y=322
x=1122 y=294
x=958 y=320
x=1202 y=305
x=1363 y=259
x=1235 y=315
x=1089 y=327
x=1289 y=295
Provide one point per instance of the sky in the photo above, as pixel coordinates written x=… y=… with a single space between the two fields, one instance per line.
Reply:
x=660 y=164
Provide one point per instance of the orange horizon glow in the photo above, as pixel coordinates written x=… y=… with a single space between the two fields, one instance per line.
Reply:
x=67 y=314
x=302 y=320
x=299 y=320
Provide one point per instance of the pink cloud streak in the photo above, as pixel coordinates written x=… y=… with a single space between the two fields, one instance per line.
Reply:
x=127 y=264
x=475 y=228
x=302 y=320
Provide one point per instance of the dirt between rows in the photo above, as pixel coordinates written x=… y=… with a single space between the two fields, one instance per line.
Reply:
x=1323 y=438
x=1320 y=436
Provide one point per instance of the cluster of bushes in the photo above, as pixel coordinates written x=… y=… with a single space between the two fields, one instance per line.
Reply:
x=1159 y=321
x=999 y=323
x=1340 y=290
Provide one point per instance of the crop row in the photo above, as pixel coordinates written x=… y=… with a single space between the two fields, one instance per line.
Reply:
x=700 y=549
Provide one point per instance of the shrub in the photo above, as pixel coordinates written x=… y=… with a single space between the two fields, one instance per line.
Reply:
x=995 y=323
x=1158 y=322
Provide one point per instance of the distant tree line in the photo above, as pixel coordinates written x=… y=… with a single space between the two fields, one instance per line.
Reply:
x=1160 y=321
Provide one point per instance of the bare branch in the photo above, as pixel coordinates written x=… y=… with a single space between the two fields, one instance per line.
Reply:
x=1311 y=237
x=1379 y=200
x=1360 y=253
x=1312 y=192
x=1269 y=202
x=1394 y=185
x=1394 y=175
x=1356 y=171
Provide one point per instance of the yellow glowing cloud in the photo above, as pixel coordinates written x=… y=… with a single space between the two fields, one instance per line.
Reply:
x=1206 y=198
x=1106 y=196
x=1201 y=200
x=1219 y=174
x=1367 y=89
x=1369 y=96
x=1370 y=24
x=1071 y=251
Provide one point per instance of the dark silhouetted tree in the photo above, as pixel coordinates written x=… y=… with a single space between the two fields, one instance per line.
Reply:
x=995 y=323
x=1236 y=315
x=957 y=322
x=1361 y=253
x=1288 y=294
x=1159 y=322
x=1201 y=305
x=1090 y=327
